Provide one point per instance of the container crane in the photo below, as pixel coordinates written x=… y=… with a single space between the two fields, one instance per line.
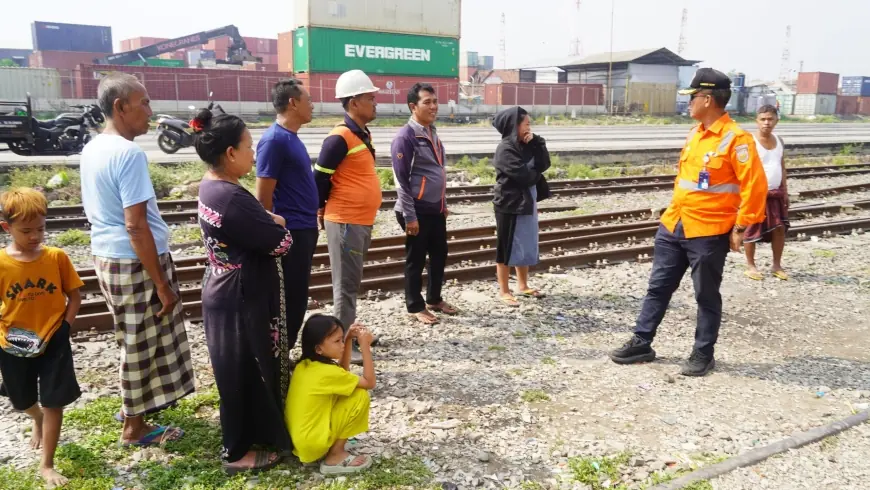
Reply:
x=237 y=53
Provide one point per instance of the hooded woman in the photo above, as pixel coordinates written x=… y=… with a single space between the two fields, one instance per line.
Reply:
x=520 y=161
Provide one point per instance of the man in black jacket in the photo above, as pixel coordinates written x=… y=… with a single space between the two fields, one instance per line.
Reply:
x=520 y=161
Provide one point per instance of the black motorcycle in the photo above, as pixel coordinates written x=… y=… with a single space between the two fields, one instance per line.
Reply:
x=65 y=135
x=174 y=134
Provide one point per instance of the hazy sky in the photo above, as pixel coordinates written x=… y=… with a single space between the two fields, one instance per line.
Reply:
x=747 y=36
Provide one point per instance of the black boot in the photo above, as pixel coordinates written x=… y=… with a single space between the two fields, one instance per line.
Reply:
x=635 y=350
x=699 y=364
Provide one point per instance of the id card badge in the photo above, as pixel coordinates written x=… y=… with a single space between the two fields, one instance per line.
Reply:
x=704 y=179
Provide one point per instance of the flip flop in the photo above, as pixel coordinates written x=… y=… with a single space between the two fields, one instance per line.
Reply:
x=781 y=275
x=344 y=467
x=157 y=437
x=755 y=276
x=509 y=301
x=425 y=321
x=261 y=463
x=443 y=307
x=532 y=293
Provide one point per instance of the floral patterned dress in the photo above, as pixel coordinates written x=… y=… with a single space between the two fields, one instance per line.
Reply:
x=244 y=316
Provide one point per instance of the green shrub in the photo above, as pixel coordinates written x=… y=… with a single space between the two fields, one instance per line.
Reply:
x=73 y=238
x=385 y=176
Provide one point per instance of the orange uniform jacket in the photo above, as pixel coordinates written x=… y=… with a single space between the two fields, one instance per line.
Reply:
x=737 y=191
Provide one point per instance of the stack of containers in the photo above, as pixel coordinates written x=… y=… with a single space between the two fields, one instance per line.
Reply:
x=854 y=96
x=66 y=46
x=816 y=94
x=397 y=43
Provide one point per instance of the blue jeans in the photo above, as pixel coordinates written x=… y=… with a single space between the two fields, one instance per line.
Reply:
x=674 y=253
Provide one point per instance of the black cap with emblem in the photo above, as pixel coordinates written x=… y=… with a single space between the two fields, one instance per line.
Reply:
x=709 y=79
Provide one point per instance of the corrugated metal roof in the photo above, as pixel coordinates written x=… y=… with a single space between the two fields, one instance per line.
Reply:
x=663 y=55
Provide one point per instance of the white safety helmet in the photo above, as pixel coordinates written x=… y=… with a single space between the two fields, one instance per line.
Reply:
x=352 y=83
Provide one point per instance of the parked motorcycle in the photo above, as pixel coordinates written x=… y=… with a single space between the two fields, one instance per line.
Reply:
x=65 y=135
x=174 y=133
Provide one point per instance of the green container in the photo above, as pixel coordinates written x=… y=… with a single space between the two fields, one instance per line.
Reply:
x=323 y=50
x=161 y=62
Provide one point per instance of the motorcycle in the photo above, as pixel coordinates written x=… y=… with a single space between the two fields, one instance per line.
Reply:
x=65 y=135
x=174 y=133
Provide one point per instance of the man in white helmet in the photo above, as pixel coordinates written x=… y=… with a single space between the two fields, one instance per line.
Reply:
x=349 y=192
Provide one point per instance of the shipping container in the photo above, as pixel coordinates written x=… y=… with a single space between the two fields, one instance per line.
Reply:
x=487 y=62
x=62 y=60
x=140 y=42
x=814 y=104
x=847 y=105
x=786 y=104
x=285 y=51
x=41 y=83
x=322 y=50
x=470 y=59
x=393 y=89
x=651 y=98
x=818 y=83
x=254 y=66
x=48 y=36
x=738 y=80
x=433 y=17
x=21 y=57
x=859 y=86
x=539 y=94
x=864 y=106
x=228 y=82
x=160 y=62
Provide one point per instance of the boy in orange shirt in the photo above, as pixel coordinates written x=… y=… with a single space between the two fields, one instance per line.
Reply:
x=40 y=300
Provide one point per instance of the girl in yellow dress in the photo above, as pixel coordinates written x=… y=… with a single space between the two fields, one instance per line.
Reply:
x=326 y=403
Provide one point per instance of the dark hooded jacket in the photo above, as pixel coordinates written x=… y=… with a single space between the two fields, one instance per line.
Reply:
x=513 y=177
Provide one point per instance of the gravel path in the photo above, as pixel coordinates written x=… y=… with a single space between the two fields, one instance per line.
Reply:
x=496 y=396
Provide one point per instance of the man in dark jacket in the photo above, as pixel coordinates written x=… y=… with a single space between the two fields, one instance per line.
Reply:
x=421 y=209
x=520 y=161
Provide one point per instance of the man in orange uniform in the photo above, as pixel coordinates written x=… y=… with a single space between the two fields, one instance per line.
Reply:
x=349 y=192
x=720 y=190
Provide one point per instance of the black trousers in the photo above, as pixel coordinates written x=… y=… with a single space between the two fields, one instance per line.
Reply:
x=297 y=275
x=431 y=240
x=674 y=253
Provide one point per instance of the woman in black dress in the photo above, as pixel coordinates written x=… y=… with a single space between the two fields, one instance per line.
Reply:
x=243 y=298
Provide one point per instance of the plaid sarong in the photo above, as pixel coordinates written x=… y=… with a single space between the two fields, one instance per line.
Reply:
x=156 y=366
x=775 y=215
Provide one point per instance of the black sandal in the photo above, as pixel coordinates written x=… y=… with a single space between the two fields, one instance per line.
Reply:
x=261 y=463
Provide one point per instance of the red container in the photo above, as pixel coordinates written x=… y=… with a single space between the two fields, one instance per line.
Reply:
x=393 y=89
x=62 y=60
x=847 y=105
x=544 y=94
x=284 y=51
x=864 y=106
x=140 y=42
x=818 y=83
x=185 y=83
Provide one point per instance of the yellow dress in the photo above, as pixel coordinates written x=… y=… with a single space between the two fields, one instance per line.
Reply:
x=323 y=406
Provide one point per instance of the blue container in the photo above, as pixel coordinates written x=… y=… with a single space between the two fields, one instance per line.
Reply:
x=488 y=62
x=52 y=36
x=856 y=86
x=738 y=81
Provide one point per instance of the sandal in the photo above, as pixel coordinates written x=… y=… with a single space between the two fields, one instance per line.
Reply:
x=443 y=307
x=262 y=462
x=755 y=276
x=425 y=319
x=345 y=467
x=532 y=293
x=157 y=437
x=781 y=275
x=509 y=300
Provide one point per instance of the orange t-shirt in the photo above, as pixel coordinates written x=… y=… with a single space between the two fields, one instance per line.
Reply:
x=34 y=300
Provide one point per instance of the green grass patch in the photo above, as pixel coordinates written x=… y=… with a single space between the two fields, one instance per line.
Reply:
x=385 y=176
x=595 y=472
x=549 y=361
x=534 y=396
x=825 y=254
x=70 y=238
x=186 y=234
x=497 y=348
x=480 y=169
x=12 y=479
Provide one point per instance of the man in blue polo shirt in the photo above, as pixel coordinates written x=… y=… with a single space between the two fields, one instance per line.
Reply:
x=285 y=186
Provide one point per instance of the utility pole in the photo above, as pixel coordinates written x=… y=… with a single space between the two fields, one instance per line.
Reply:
x=681 y=46
x=502 y=43
x=576 y=48
x=610 y=66
x=784 y=72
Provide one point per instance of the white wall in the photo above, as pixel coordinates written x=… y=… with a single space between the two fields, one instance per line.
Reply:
x=653 y=73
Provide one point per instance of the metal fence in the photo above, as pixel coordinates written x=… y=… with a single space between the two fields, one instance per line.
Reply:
x=249 y=92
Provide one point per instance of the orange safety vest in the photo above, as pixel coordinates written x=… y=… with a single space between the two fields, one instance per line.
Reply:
x=355 y=196
x=737 y=191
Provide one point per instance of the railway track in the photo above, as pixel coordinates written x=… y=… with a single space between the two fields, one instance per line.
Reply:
x=184 y=211
x=384 y=270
